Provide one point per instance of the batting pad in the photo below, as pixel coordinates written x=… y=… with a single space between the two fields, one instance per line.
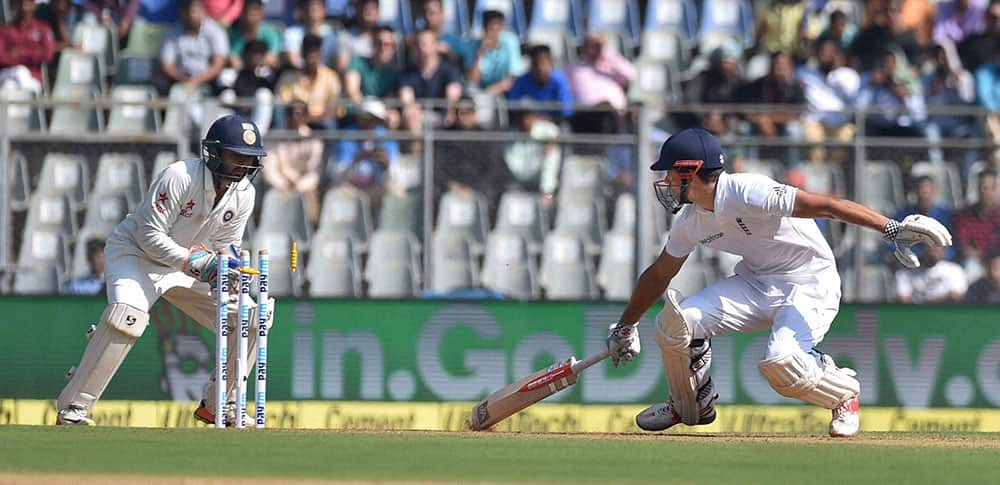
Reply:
x=798 y=375
x=118 y=330
x=673 y=335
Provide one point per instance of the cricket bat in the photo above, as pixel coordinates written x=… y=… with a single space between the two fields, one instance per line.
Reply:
x=527 y=391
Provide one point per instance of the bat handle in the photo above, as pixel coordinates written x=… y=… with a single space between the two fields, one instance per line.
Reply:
x=589 y=361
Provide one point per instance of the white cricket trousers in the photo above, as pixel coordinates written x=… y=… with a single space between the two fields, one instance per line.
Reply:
x=797 y=309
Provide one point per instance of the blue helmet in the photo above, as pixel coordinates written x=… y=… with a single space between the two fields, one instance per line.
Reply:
x=689 y=152
x=237 y=134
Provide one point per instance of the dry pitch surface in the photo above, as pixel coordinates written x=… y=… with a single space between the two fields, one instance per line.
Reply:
x=201 y=456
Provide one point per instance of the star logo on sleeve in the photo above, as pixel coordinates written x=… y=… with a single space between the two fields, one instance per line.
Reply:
x=188 y=209
x=160 y=200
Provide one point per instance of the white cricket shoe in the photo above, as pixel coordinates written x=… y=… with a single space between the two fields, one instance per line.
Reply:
x=846 y=420
x=659 y=417
x=73 y=416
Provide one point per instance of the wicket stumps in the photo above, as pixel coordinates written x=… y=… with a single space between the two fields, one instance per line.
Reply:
x=243 y=313
x=222 y=341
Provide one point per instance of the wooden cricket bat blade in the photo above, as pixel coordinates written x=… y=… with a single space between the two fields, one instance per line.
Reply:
x=524 y=392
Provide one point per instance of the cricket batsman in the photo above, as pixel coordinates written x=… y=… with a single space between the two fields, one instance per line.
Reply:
x=168 y=247
x=787 y=282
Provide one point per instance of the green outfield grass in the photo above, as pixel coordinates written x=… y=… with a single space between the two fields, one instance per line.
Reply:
x=495 y=457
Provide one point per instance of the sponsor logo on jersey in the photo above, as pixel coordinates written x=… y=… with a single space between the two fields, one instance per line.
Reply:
x=188 y=209
x=746 y=230
x=711 y=238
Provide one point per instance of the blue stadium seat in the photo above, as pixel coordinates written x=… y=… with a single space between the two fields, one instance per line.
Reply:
x=675 y=16
x=615 y=17
x=562 y=16
x=513 y=10
x=396 y=13
x=723 y=20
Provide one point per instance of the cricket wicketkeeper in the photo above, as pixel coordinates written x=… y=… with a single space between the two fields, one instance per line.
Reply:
x=787 y=282
x=168 y=248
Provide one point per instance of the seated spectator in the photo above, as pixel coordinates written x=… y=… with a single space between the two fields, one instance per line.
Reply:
x=926 y=191
x=376 y=76
x=958 y=19
x=250 y=27
x=117 y=15
x=26 y=44
x=950 y=86
x=359 y=39
x=880 y=33
x=830 y=90
x=535 y=164
x=194 y=51
x=976 y=233
x=779 y=86
x=918 y=16
x=988 y=91
x=492 y=61
x=429 y=78
x=896 y=109
x=600 y=79
x=545 y=84
x=935 y=281
x=977 y=49
x=295 y=164
x=986 y=290
x=467 y=165
x=315 y=85
x=62 y=16
x=256 y=80
x=365 y=161
x=718 y=84
x=839 y=30
x=450 y=45
x=781 y=27
x=314 y=22
x=225 y=12
x=93 y=282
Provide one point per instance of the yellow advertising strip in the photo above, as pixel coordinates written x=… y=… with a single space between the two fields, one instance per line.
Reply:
x=562 y=418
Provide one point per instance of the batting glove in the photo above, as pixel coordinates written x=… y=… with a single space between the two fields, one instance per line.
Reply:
x=913 y=230
x=623 y=342
x=202 y=265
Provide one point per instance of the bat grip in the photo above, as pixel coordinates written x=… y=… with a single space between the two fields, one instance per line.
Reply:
x=589 y=361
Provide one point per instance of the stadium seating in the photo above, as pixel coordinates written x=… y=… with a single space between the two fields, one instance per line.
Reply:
x=137 y=63
x=677 y=17
x=393 y=268
x=566 y=272
x=456 y=16
x=65 y=174
x=396 y=14
x=582 y=176
x=521 y=213
x=22 y=118
x=949 y=183
x=655 y=82
x=618 y=19
x=99 y=40
x=883 y=189
x=132 y=118
x=508 y=267
x=556 y=16
x=625 y=214
x=726 y=20
x=616 y=271
x=281 y=281
x=42 y=262
x=79 y=73
x=346 y=211
x=453 y=265
x=401 y=212
x=334 y=269
x=464 y=214
x=18 y=177
x=877 y=284
x=75 y=111
x=284 y=212
x=513 y=11
x=583 y=217
x=51 y=212
x=121 y=173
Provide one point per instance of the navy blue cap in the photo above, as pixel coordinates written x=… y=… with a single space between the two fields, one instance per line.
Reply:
x=237 y=134
x=690 y=144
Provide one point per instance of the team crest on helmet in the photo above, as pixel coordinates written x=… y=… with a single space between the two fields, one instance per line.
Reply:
x=249 y=136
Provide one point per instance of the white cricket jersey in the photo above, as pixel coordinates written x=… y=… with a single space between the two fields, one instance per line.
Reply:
x=177 y=213
x=752 y=219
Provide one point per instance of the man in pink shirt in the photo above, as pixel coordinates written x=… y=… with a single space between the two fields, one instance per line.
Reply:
x=25 y=44
x=599 y=80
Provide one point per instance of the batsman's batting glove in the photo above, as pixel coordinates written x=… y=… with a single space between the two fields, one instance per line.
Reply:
x=202 y=265
x=913 y=230
x=623 y=342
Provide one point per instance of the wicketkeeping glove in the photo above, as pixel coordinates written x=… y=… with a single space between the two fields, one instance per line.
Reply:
x=623 y=342
x=202 y=264
x=913 y=230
